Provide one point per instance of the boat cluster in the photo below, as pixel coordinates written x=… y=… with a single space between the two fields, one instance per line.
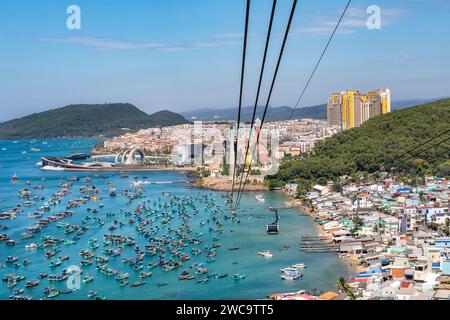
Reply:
x=166 y=237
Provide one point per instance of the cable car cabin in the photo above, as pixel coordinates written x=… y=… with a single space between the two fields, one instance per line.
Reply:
x=272 y=228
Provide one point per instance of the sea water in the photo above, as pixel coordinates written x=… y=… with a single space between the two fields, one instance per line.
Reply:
x=262 y=274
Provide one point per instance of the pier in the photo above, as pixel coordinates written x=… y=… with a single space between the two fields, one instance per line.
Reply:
x=317 y=244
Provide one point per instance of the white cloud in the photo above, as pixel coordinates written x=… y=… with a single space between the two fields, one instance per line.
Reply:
x=98 y=43
x=354 y=19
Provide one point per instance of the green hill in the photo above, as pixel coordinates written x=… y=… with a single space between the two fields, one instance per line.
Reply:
x=376 y=145
x=86 y=120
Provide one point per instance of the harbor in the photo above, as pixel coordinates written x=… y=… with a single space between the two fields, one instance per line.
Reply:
x=145 y=236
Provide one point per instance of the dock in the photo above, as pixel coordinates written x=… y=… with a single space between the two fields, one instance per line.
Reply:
x=317 y=244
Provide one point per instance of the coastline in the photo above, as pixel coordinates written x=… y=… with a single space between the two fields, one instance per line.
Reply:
x=351 y=260
x=225 y=184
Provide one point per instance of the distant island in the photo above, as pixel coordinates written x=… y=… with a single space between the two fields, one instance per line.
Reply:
x=86 y=120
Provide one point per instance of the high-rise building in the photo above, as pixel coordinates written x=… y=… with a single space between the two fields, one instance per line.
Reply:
x=334 y=109
x=350 y=109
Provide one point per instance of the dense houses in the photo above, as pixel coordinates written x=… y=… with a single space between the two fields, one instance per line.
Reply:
x=398 y=234
x=293 y=138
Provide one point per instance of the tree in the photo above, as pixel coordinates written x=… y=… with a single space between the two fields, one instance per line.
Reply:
x=344 y=287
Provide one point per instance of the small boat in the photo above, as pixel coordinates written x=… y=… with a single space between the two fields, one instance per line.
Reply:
x=144 y=274
x=221 y=275
x=15 y=179
x=11 y=259
x=137 y=284
x=299 y=266
x=202 y=281
x=123 y=282
x=265 y=254
x=53 y=294
x=31 y=246
x=186 y=277
x=92 y=294
x=55 y=263
x=291 y=276
x=88 y=279
x=238 y=276
x=31 y=284
x=260 y=197
x=161 y=284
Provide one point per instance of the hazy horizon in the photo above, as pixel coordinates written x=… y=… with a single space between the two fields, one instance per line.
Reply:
x=180 y=57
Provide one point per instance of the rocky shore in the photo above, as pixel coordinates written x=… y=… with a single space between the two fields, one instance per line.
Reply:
x=225 y=184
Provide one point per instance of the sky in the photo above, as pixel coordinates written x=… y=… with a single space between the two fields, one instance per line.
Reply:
x=182 y=55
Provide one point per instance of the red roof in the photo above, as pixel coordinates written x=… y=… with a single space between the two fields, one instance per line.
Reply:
x=405 y=284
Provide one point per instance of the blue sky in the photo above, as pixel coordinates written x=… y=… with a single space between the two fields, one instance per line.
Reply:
x=185 y=54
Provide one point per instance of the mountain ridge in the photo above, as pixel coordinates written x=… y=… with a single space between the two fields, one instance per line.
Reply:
x=282 y=112
x=86 y=120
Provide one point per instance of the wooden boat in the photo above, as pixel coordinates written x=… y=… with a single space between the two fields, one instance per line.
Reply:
x=144 y=274
x=53 y=294
x=137 y=284
x=238 y=276
x=162 y=284
x=202 y=281
x=87 y=279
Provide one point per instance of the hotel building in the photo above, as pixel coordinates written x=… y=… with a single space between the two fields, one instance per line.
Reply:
x=350 y=109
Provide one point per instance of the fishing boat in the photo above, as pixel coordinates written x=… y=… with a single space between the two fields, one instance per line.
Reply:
x=14 y=179
x=53 y=294
x=291 y=273
x=122 y=276
x=186 y=277
x=162 y=284
x=201 y=271
x=265 y=254
x=202 y=281
x=144 y=274
x=31 y=246
x=55 y=263
x=123 y=283
x=238 y=276
x=87 y=279
x=260 y=197
x=137 y=284
x=291 y=276
x=11 y=259
x=31 y=284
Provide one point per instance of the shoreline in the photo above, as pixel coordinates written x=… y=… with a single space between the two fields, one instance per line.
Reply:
x=223 y=184
x=351 y=260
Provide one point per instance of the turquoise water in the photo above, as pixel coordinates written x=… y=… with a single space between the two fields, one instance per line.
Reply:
x=262 y=274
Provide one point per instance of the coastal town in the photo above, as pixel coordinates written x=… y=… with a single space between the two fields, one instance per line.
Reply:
x=394 y=236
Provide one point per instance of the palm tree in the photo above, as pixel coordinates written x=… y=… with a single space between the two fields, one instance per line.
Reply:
x=344 y=287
